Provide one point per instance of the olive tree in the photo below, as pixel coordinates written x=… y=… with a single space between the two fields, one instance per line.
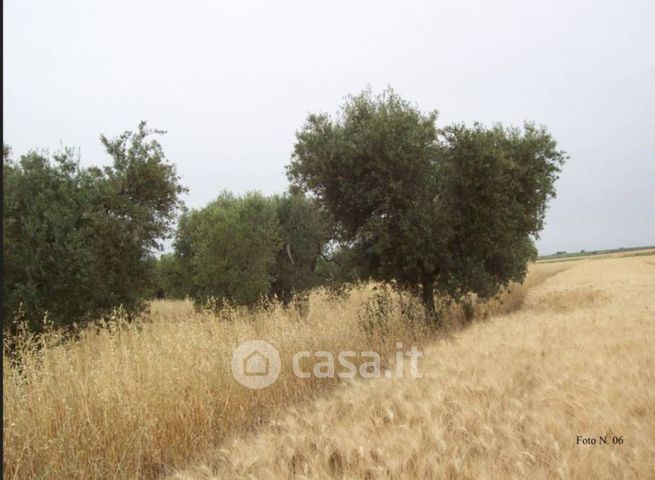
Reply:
x=430 y=210
x=228 y=248
x=79 y=242
x=245 y=248
x=305 y=233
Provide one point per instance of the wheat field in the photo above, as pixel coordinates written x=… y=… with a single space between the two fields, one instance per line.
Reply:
x=567 y=354
x=137 y=400
x=506 y=398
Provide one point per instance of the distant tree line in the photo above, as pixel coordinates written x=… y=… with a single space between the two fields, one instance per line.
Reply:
x=377 y=192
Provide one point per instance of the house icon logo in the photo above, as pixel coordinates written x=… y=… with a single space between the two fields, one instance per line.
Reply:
x=256 y=364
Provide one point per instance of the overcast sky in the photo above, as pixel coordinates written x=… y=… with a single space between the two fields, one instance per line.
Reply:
x=232 y=81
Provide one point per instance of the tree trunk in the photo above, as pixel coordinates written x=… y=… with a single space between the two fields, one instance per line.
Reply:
x=427 y=297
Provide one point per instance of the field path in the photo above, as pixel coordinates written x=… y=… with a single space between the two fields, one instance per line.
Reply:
x=505 y=398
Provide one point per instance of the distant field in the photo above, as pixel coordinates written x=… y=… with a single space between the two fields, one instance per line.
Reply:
x=635 y=251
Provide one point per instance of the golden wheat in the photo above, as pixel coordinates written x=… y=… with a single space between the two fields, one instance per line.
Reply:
x=134 y=399
x=514 y=397
x=131 y=400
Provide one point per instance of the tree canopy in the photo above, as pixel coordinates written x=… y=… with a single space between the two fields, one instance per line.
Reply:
x=305 y=233
x=229 y=247
x=79 y=242
x=452 y=209
x=247 y=248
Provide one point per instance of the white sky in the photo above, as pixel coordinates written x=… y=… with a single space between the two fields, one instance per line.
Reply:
x=232 y=81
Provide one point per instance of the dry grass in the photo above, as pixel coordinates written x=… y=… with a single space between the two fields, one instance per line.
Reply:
x=138 y=400
x=505 y=398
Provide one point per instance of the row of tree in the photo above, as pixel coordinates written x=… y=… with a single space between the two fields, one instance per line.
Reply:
x=377 y=192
